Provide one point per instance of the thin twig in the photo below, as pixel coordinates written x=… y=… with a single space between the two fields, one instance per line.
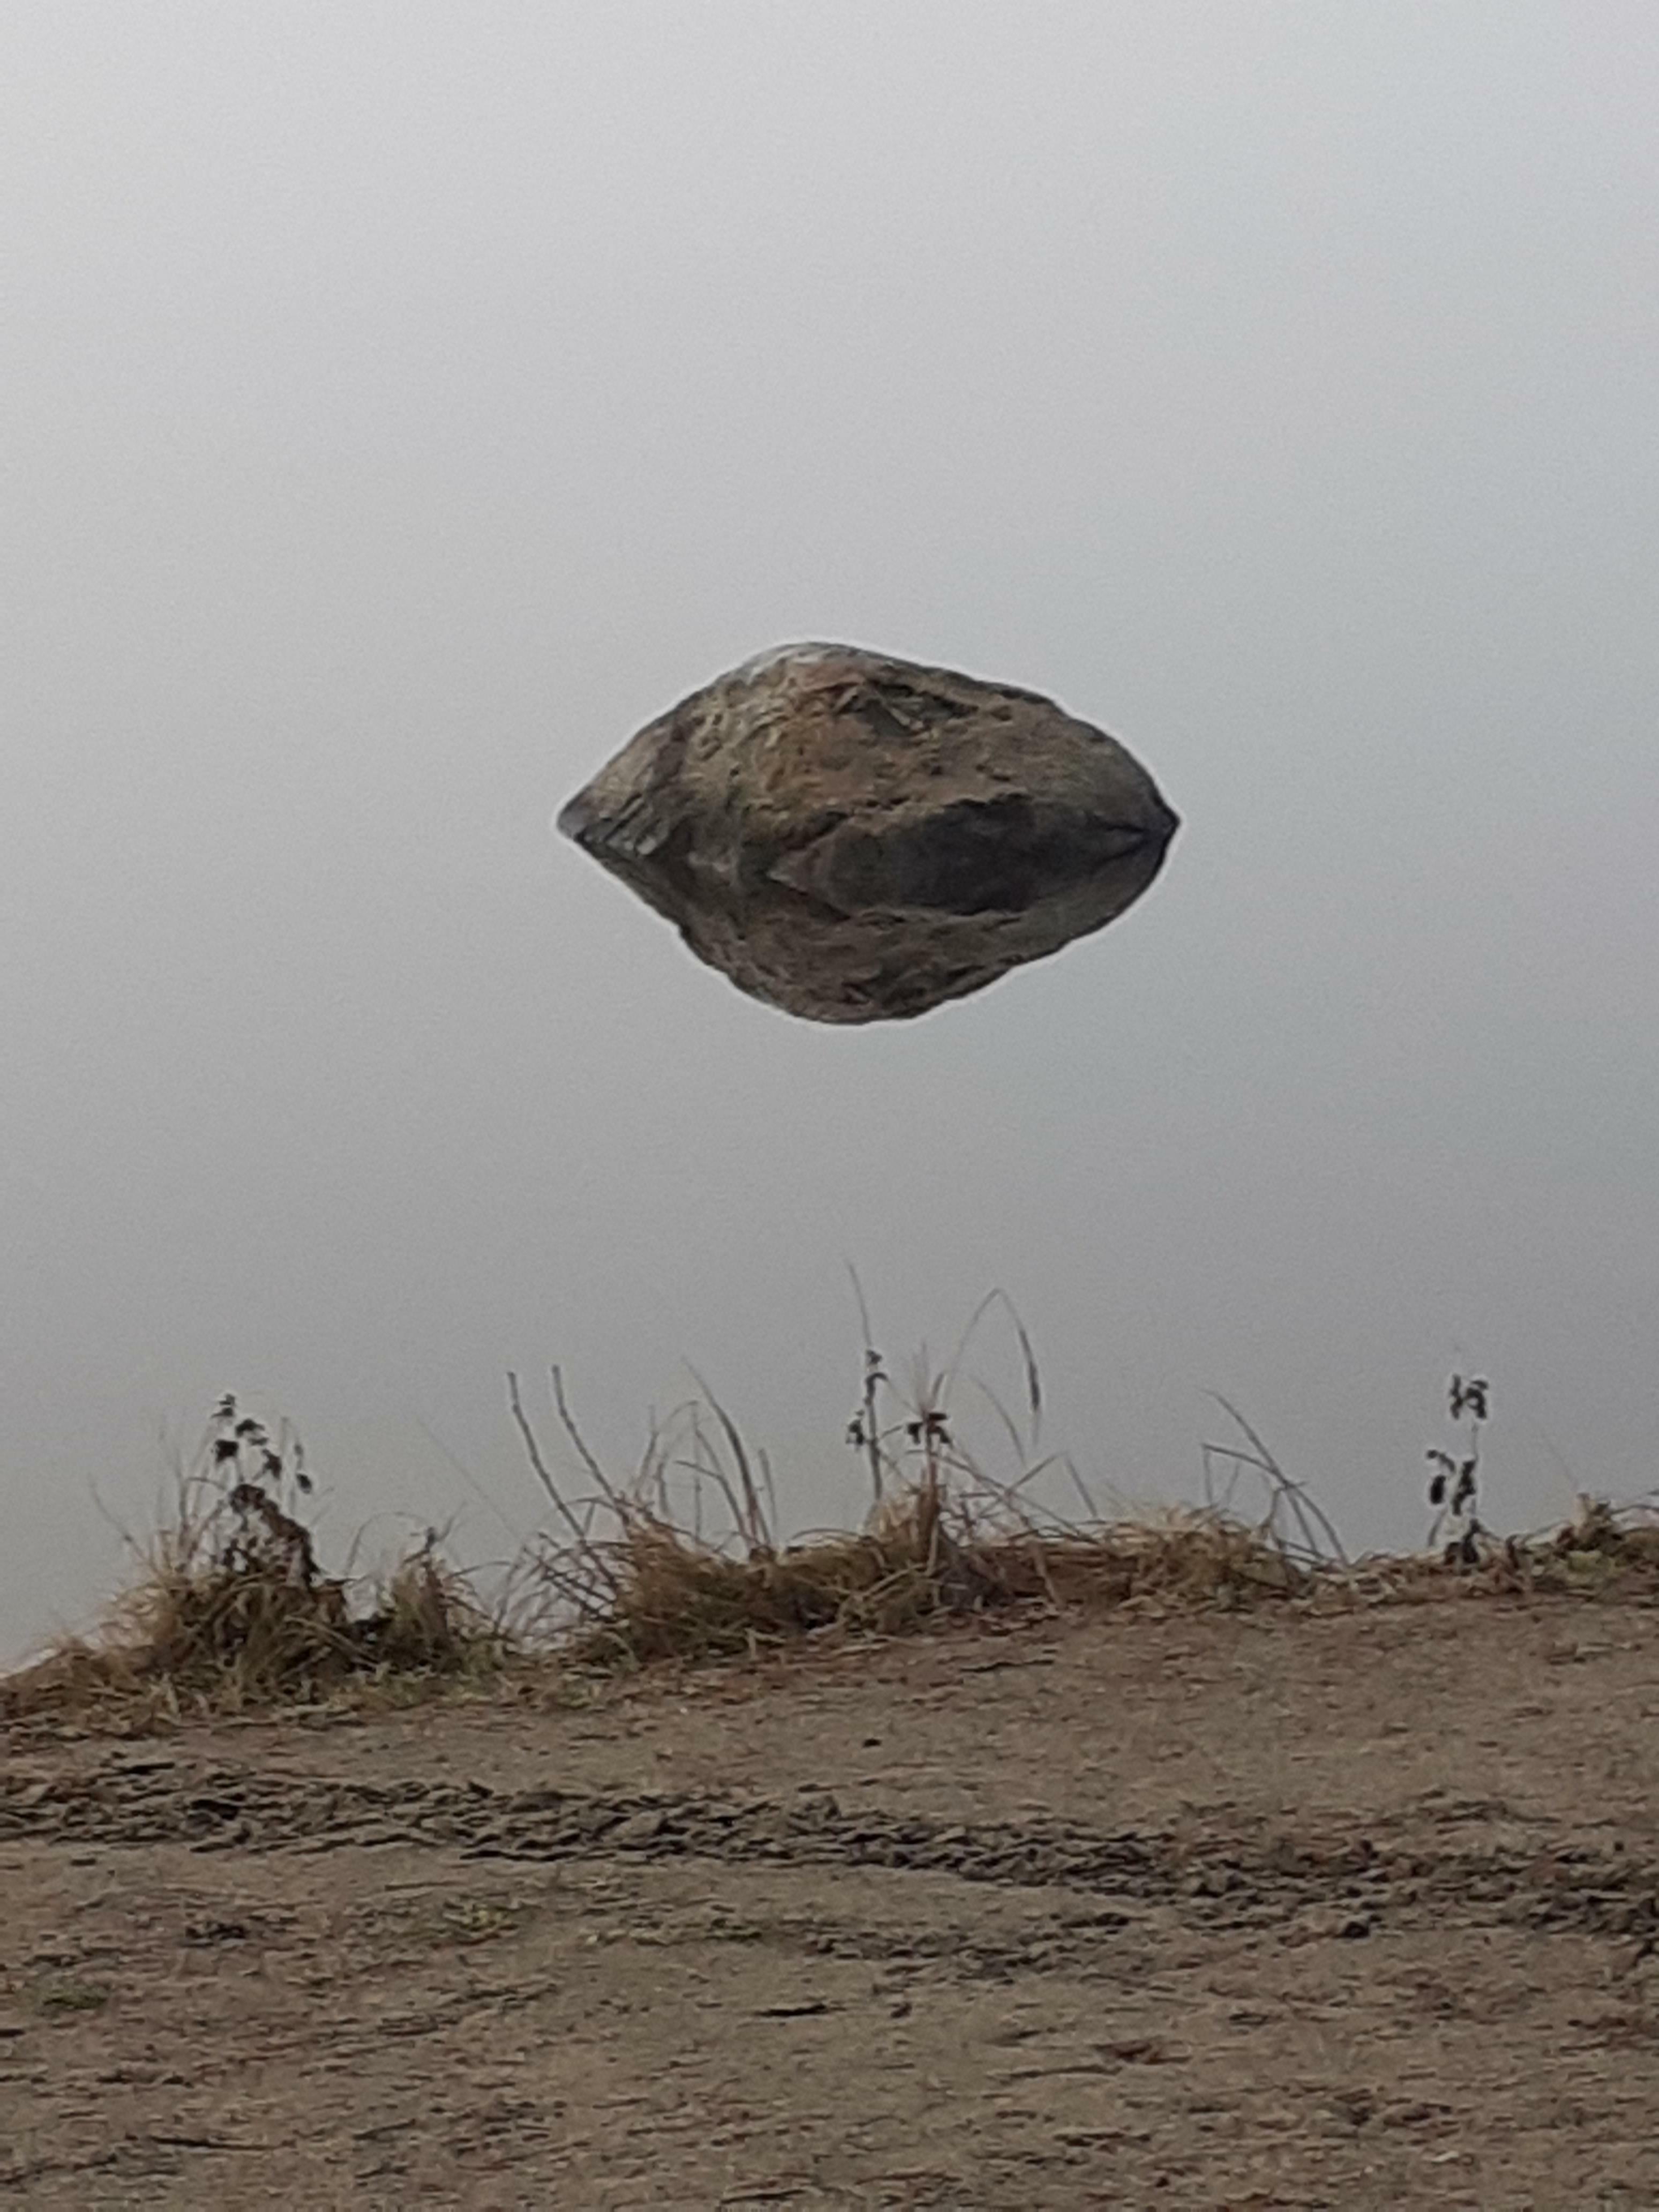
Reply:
x=1304 y=1507
x=533 y=1449
x=567 y=1421
x=756 y=1533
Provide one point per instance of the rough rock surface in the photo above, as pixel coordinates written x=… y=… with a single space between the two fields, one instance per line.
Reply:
x=855 y=838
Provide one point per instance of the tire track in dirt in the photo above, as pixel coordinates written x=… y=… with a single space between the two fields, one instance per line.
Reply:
x=1215 y=1879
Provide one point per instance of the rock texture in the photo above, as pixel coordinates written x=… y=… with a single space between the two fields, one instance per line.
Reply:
x=854 y=838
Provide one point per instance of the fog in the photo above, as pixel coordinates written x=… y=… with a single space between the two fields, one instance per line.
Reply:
x=404 y=402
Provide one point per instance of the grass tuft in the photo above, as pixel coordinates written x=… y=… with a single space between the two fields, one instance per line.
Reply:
x=683 y=1560
x=231 y=1611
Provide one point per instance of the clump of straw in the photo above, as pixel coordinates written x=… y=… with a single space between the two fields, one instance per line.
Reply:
x=685 y=1560
x=232 y=1611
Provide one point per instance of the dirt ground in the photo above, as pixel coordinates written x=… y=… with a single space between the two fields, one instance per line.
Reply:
x=1222 y=1912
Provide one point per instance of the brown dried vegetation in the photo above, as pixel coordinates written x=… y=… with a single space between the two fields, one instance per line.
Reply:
x=684 y=1561
x=231 y=1610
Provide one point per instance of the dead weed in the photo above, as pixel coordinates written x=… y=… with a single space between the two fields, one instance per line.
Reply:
x=231 y=1611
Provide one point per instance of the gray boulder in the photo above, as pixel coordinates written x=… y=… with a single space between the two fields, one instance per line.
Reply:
x=857 y=839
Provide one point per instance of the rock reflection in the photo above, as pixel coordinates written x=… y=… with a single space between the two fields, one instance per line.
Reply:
x=854 y=838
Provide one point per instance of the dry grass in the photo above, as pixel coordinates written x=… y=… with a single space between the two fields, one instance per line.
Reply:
x=684 y=1561
x=680 y=1597
x=681 y=1561
x=231 y=1611
x=649 y=1589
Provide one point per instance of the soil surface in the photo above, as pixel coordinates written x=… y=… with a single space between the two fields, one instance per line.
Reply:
x=1232 y=1910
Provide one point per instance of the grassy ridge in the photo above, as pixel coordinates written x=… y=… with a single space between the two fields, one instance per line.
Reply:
x=231 y=1611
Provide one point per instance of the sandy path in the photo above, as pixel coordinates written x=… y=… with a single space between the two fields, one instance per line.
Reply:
x=1231 y=1912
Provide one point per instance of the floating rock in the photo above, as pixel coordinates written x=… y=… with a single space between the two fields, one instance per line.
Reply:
x=857 y=839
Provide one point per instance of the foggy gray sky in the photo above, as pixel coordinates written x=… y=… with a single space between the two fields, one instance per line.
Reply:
x=402 y=402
